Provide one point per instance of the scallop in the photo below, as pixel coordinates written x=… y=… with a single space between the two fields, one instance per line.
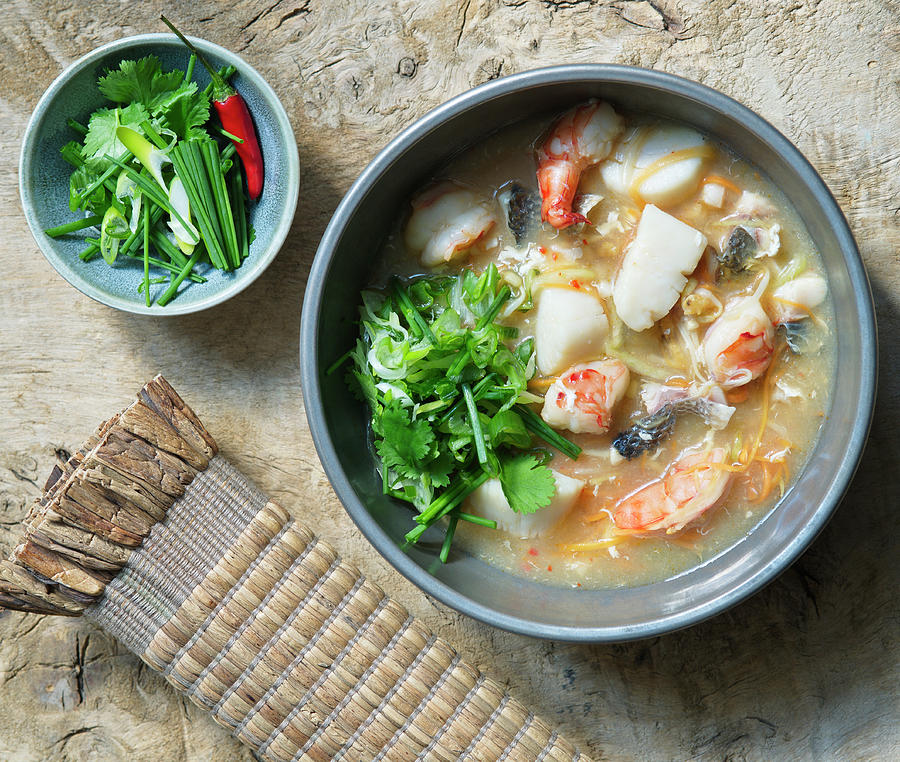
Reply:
x=653 y=274
x=571 y=327
x=489 y=502
x=659 y=165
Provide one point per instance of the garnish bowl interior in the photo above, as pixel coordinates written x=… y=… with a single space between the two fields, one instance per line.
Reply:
x=338 y=421
x=44 y=175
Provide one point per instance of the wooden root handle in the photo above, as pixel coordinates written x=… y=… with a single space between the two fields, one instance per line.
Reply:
x=154 y=536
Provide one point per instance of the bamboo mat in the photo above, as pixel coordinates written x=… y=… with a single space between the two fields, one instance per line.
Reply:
x=157 y=538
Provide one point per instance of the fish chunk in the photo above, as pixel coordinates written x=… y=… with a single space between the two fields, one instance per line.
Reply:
x=571 y=327
x=489 y=502
x=664 y=251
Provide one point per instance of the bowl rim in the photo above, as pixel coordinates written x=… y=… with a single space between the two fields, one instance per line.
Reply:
x=285 y=220
x=615 y=73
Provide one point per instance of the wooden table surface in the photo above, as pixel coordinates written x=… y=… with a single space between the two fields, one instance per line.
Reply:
x=806 y=669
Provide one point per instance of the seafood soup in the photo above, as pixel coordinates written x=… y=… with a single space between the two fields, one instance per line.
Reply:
x=677 y=318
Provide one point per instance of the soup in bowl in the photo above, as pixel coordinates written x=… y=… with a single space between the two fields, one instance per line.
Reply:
x=657 y=428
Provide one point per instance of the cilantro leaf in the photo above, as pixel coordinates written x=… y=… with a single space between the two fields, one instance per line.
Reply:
x=406 y=444
x=527 y=484
x=101 y=135
x=184 y=110
x=141 y=81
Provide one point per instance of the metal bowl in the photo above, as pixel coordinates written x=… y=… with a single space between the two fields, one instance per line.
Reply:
x=338 y=421
x=44 y=175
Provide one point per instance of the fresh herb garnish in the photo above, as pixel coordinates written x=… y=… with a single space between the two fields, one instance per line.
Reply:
x=447 y=389
x=154 y=181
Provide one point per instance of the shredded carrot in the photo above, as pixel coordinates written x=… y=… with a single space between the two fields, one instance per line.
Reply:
x=723 y=181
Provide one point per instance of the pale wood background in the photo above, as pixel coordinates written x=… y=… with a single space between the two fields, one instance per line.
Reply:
x=807 y=669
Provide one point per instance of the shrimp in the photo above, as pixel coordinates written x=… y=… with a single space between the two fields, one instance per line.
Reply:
x=738 y=346
x=447 y=220
x=581 y=138
x=582 y=399
x=691 y=485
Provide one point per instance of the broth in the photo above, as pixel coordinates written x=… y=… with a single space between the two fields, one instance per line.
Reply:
x=776 y=416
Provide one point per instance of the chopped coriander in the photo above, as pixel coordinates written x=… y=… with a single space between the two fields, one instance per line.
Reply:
x=445 y=385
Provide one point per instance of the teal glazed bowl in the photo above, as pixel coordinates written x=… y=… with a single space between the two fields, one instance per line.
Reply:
x=44 y=176
x=338 y=421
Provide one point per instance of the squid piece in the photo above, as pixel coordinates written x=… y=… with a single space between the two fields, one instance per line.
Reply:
x=571 y=327
x=489 y=502
x=582 y=399
x=653 y=274
x=447 y=221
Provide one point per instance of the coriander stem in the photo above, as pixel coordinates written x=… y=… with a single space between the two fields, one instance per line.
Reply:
x=71 y=227
x=192 y=61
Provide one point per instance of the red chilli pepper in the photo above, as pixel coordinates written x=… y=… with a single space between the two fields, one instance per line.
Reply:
x=235 y=119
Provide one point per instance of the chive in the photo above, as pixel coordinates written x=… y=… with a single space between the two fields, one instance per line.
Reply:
x=165 y=246
x=210 y=153
x=229 y=135
x=385 y=480
x=90 y=252
x=477 y=520
x=86 y=193
x=151 y=190
x=415 y=320
x=449 y=499
x=477 y=433
x=147 y=253
x=192 y=61
x=229 y=151
x=488 y=317
x=184 y=170
x=168 y=266
x=448 y=539
x=173 y=286
x=130 y=245
x=150 y=132
x=537 y=426
x=337 y=363
x=237 y=202
x=71 y=227
x=77 y=126
x=191 y=156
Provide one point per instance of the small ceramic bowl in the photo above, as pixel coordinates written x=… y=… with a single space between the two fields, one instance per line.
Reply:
x=338 y=421
x=44 y=176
